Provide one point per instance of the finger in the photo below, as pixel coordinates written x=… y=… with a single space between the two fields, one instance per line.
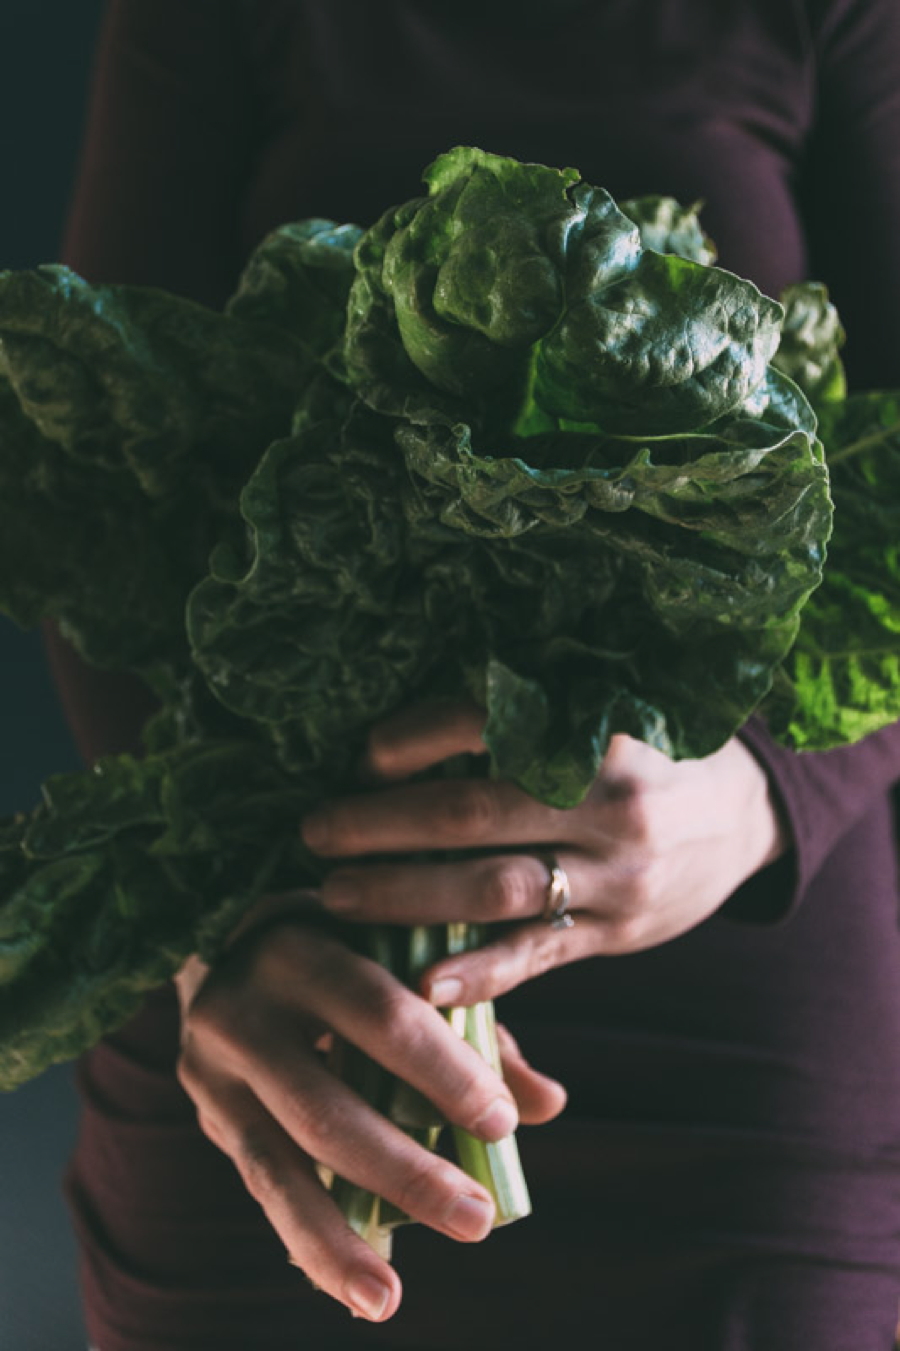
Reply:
x=447 y=813
x=423 y=736
x=370 y=1008
x=498 y=888
x=539 y=1097
x=335 y=1127
x=284 y=1181
x=514 y=956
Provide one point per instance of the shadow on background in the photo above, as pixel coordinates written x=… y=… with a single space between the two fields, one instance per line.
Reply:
x=45 y=48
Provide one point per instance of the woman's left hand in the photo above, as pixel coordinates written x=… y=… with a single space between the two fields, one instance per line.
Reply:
x=655 y=848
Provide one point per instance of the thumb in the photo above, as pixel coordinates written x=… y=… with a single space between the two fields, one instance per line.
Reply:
x=538 y=1097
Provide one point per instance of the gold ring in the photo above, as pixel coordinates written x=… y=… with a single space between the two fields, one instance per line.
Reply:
x=559 y=896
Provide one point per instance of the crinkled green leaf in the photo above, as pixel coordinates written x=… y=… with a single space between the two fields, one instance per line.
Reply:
x=811 y=338
x=378 y=366
x=371 y=581
x=515 y=285
x=119 y=876
x=669 y=227
x=299 y=278
x=460 y=285
x=90 y=549
x=129 y=420
x=323 y=631
x=841 y=680
x=129 y=377
x=669 y=347
x=629 y=562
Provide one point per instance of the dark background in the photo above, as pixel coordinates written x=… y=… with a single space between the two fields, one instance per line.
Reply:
x=45 y=55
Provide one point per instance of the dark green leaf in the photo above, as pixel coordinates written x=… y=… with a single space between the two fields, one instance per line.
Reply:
x=299 y=279
x=119 y=876
x=667 y=348
x=129 y=420
x=811 y=338
x=841 y=680
x=669 y=227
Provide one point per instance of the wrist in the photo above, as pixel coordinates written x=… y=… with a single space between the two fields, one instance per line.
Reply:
x=764 y=888
x=762 y=825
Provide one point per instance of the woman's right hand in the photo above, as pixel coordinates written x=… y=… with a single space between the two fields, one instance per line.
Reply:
x=264 y=1095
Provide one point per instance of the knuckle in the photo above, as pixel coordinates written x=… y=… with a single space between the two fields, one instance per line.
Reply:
x=309 y=961
x=426 y=1186
x=637 y=892
x=226 y=1037
x=628 y=933
x=469 y=1092
x=636 y=818
x=392 y=1010
x=261 y=1170
x=543 y=956
x=488 y=966
x=468 y=813
x=316 y=1123
x=506 y=891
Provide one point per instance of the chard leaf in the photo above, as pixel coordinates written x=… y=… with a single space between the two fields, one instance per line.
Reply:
x=128 y=377
x=369 y=581
x=811 y=338
x=628 y=567
x=465 y=281
x=114 y=881
x=129 y=420
x=669 y=227
x=841 y=679
x=116 y=554
x=378 y=366
x=299 y=279
x=318 y=631
x=669 y=347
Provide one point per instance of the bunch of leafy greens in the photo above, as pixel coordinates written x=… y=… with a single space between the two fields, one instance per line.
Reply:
x=514 y=441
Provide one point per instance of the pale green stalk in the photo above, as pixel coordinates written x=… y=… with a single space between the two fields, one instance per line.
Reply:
x=495 y=1166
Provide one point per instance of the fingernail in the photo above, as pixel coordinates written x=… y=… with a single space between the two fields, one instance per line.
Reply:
x=314 y=830
x=470 y=1217
x=498 y=1121
x=445 y=992
x=368 y=1295
x=341 y=893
